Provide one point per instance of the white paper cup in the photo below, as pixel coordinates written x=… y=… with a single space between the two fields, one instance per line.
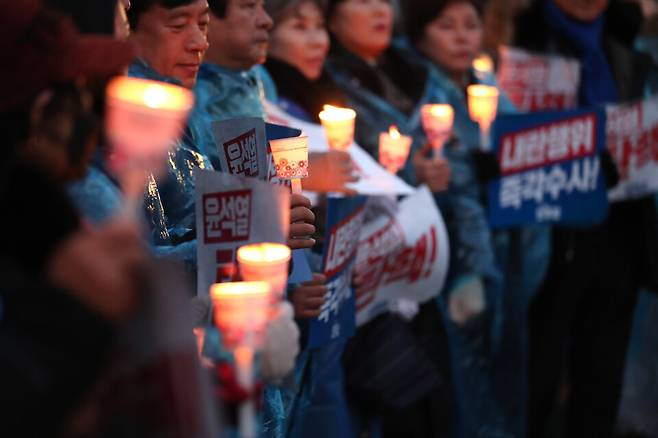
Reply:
x=290 y=157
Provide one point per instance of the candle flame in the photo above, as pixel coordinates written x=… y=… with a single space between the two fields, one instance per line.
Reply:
x=483 y=63
x=393 y=132
x=150 y=94
x=484 y=91
x=333 y=113
x=264 y=253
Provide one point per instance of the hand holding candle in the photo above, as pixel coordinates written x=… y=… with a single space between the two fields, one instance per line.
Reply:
x=266 y=262
x=437 y=120
x=143 y=119
x=393 y=149
x=482 y=107
x=338 y=125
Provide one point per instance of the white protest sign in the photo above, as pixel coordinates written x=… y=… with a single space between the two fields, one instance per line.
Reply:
x=632 y=139
x=402 y=254
x=535 y=82
x=242 y=147
x=232 y=211
x=374 y=179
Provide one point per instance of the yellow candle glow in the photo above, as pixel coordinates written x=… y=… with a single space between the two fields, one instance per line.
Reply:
x=437 y=120
x=338 y=125
x=482 y=107
x=483 y=64
x=393 y=149
x=266 y=262
x=241 y=311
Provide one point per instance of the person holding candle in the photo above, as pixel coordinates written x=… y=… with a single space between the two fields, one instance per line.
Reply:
x=447 y=35
x=580 y=321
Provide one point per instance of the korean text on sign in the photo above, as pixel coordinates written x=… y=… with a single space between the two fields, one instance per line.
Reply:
x=550 y=169
x=242 y=154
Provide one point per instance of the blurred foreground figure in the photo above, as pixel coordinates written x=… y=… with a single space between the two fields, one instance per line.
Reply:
x=64 y=287
x=582 y=317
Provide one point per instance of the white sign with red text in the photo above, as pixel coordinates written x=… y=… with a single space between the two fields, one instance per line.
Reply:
x=401 y=254
x=535 y=82
x=232 y=211
x=632 y=139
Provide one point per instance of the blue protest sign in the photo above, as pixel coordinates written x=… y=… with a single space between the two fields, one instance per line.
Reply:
x=338 y=313
x=551 y=169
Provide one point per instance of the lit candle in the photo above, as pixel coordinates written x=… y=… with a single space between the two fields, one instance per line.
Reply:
x=338 y=125
x=241 y=311
x=291 y=160
x=482 y=107
x=143 y=119
x=437 y=120
x=266 y=262
x=393 y=149
x=483 y=66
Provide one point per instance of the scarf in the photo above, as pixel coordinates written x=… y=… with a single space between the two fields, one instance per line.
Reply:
x=597 y=84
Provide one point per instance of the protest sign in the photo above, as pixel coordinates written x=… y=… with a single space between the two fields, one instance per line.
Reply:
x=402 y=254
x=632 y=139
x=535 y=82
x=337 y=314
x=242 y=147
x=551 y=172
x=233 y=211
x=374 y=179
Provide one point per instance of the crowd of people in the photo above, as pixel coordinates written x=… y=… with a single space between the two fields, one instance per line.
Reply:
x=528 y=337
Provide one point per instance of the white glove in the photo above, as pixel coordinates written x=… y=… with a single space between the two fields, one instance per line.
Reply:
x=281 y=345
x=466 y=300
x=404 y=307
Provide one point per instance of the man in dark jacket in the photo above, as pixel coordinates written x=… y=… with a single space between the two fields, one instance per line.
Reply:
x=582 y=316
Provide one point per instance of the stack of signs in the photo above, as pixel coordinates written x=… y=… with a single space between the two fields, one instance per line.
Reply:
x=344 y=222
x=536 y=82
x=551 y=172
x=402 y=254
x=632 y=139
x=233 y=211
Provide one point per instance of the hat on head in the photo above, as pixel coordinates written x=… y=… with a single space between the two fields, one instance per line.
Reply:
x=42 y=47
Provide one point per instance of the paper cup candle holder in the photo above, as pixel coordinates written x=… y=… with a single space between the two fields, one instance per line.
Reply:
x=291 y=160
x=393 y=149
x=482 y=107
x=266 y=262
x=437 y=120
x=338 y=126
x=143 y=119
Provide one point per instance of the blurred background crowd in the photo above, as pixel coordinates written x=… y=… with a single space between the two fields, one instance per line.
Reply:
x=539 y=330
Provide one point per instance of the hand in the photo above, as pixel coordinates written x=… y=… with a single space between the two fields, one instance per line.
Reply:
x=308 y=298
x=301 y=223
x=281 y=344
x=102 y=268
x=435 y=172
x=330 y=171
x=466 y=300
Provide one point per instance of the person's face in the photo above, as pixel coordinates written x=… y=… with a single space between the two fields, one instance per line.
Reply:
x=173 y=41
x=301 y=40
x=454 y=38
x=364 y=27
x=583 y=10
x=240 y=39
